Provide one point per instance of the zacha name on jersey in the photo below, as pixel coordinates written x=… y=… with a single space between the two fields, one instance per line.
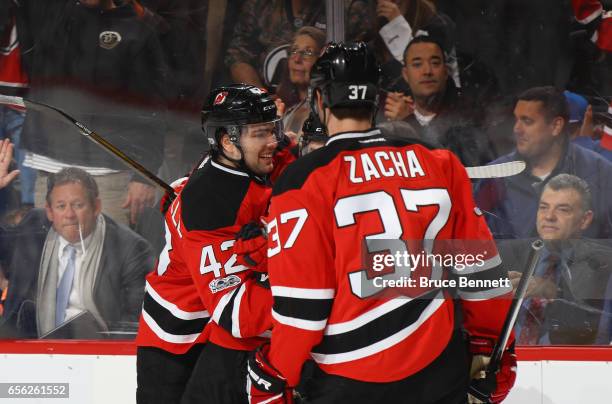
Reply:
x=367 y=166
x=220 y=284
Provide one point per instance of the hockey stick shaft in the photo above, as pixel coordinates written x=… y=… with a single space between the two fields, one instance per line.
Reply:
x=91 y=135
x=519 y=297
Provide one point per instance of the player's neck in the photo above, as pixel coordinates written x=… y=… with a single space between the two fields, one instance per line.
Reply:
x=335 y=125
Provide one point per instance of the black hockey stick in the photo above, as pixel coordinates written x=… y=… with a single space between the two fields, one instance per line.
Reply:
x=482 y=388
x=90 y=134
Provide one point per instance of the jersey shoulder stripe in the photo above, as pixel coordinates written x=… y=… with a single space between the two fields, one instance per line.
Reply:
x=296 y=174
x=213 y=196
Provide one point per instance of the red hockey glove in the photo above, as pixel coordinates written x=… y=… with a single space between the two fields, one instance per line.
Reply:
x=251 y=247
x=490 y=388
x=264 y=383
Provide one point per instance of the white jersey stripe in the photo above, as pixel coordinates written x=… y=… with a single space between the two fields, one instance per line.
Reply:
x=308 y=325
x=302 y=293
x=165 y=336
x=221 y=306
x=172 y=308
x=339 y=328
x=236 y=312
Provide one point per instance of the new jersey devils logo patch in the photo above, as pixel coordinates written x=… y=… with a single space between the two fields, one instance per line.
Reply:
x=220 y=98
x=109 y=39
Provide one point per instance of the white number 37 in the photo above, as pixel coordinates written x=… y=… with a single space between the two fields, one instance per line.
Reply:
x=300 y=215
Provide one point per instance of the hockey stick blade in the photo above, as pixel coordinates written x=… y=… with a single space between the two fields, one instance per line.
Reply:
x=90 y=134
x=500 y=170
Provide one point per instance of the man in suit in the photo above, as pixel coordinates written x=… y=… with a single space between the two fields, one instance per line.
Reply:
x=69 y=258
x=565 y=297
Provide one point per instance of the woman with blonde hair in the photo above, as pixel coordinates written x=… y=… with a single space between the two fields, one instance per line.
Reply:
x=293 y=89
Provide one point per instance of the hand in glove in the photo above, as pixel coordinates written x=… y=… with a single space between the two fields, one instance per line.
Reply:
x=490 y=388
x=264 y=383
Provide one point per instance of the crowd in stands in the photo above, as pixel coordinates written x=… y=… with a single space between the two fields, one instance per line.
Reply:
x=494 y=81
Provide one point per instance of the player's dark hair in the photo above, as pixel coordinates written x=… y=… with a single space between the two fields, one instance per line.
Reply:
x=553 y=101
x=423 y=39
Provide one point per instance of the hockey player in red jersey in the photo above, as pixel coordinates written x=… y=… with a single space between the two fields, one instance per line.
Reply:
x=362 y=188
x=201 y=278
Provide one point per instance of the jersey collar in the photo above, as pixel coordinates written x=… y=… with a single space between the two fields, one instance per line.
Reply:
x=353 y=135
x=227 y=169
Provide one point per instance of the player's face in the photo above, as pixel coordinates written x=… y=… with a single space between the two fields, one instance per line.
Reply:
x=258 y=143
x=533 y=132
x=425 y=71
x=302 y=55
x=70 y=207
x=560 y=215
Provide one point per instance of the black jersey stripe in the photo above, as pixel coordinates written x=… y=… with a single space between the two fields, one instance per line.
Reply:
x=305 y=309
x=376 y=330
x=170 y=323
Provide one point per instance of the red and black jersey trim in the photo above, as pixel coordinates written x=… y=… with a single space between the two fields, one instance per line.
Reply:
x=296 y=174
x=170 y=323
x=305 y=309
x=376 y=330
x=213 y=196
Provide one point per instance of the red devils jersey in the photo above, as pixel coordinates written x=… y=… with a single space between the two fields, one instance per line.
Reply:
x=173 y=316
x=598 y=22
x=359 y=190
x=13 y=80
x=198 y=278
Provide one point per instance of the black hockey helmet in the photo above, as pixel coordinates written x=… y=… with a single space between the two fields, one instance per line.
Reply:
x=312 y=131
x=347 y=75
x=230 y=108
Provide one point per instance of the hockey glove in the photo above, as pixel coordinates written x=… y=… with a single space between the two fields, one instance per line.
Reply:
x=251 y=247
x=264 y=383
x=167 y=198
x=490 y=388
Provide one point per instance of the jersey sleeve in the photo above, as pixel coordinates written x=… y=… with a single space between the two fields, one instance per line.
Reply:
x=235 y=299
x=484 y=308
x=173 y=316
x=302 y=280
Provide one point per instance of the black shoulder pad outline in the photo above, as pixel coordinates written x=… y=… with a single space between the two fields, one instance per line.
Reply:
x=212 y=198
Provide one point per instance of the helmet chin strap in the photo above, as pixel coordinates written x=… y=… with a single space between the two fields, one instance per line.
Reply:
x=314 y=108
x=241 y=163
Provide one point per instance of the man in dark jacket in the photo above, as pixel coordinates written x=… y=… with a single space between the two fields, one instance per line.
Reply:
x=104 y=65
x=566 y=295
x=542 y=141
x=437 y=116
x=69 y=259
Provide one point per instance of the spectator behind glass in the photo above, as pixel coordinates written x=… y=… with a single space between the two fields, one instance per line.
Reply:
x=293 y=89
x=582 y=126
x=14 y=82
x=397 y=23
x=264 y=26
x=542 y=140
x=69 y=258
x=6 y=156
x=438 y=116
x=104 y=65
x=566 y=295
